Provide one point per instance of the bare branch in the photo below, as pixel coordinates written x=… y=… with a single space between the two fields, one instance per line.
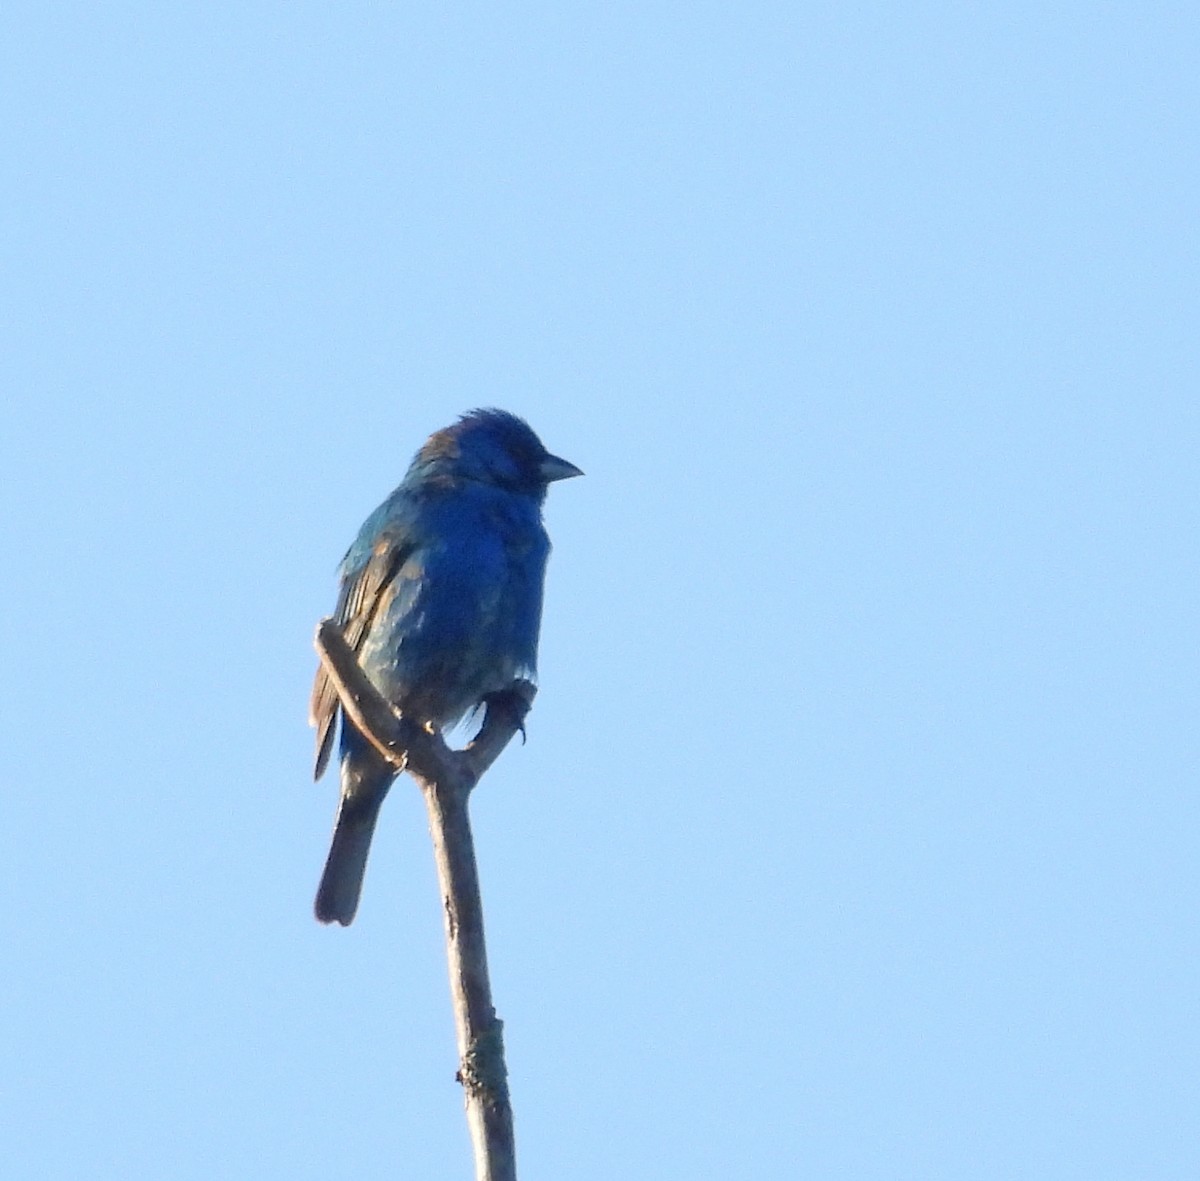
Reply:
x=447 y=778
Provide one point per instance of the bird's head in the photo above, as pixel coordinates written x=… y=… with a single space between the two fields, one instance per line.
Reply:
x=494 y=447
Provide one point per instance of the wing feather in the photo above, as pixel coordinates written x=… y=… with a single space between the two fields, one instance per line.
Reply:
x=359 y=599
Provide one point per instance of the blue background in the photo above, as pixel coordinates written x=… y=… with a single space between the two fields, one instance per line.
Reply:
x=856 y=832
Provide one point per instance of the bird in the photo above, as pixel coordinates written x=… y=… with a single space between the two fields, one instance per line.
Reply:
x=440 y=597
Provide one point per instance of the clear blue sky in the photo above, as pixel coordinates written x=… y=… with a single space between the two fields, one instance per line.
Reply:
x=856 y=832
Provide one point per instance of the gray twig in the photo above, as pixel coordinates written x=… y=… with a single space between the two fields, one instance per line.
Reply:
x=446 y=778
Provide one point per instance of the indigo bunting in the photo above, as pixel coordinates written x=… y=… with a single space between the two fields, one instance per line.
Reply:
x=441 y=598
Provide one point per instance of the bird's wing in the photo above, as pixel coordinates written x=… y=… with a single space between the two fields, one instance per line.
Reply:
x=361 y=595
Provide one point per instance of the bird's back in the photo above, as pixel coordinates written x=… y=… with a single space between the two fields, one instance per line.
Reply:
x=460 y=617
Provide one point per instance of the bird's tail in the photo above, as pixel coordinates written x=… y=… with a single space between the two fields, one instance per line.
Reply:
x=363 y=792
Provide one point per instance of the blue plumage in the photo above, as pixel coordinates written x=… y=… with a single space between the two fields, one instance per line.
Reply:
x=441 y=598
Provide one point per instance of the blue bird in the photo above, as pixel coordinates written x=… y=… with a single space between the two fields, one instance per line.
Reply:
x=441 y=598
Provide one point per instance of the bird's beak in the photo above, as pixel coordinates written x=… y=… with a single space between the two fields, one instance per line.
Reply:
x=553 y=468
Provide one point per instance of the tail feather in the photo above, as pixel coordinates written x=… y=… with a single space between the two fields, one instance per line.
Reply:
x=363 y=792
